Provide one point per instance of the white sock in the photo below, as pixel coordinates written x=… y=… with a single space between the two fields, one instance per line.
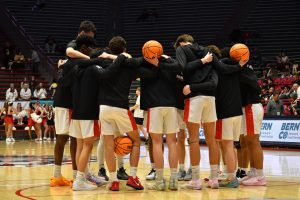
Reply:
x=224 y=167
x=80 y=176
x=231 y=176
x=252 y=171
x=57 y=171
x=74 y=174
x=181 y=167
x=153 y=165
x=195 y=172
x=159 y=174
x=133 y=171
x=120 y=161
x=259 y=172
x=173 y=172
x=214 y=171
x=113 y=176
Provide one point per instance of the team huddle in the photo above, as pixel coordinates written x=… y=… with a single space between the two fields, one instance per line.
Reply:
x=201 y=87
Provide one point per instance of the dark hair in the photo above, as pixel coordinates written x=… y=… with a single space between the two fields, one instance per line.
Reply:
x=117 y=45
x=276 y=92
x=183 y=38
x=225 y=52
x=87 y=26
x=214 y=49
x=96 y=52
x=85 y=40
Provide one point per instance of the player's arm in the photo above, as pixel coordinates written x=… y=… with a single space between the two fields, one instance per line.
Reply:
x=112 y=68
x=248 y=77
x=224 y=68
x=208 y=85
x=72 y=53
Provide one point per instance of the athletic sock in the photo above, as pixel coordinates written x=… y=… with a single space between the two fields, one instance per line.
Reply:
x=173 y=172
x=159 y=174
x=224 y=167
x=214 y=171
x=80 y=176
x=181 y=167
x=74 y=174
x=153 y=165
x=195 y=172
x=133 y=171
x=113 y=176
x=120 y=162
x=259 y=172
x=252 y=171
x=231 y=176
x=57 y=171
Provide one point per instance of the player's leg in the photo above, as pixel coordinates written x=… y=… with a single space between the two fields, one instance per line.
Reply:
x=173 y=160
x=244 y=157
x=181 y=153
x=100 y=158
x=73 y=149
x=38 y=131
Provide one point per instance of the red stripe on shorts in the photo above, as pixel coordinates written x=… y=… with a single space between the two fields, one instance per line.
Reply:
x=186 y=113
x=249 y=119
x=219 y=129
x=96 y=128
x=148 y=120
x=132 y=121
x=70 y=114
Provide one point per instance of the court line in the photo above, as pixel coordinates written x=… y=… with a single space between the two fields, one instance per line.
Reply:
x=19 y=192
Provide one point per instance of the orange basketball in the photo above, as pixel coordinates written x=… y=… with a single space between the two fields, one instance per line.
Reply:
x=239 y=52
x=152 y=48
x=123 y=145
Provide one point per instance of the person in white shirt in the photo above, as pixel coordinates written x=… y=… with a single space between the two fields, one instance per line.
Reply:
x=25 y=93
x=139 y=114
x=11 y=93
x=296 y=89
x=40 y=92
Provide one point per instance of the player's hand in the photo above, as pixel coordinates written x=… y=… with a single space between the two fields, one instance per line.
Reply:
x=61 y=62
x=154 y=61
x=165 y=56
x=186 y=90
x=207 y=58
x=243 y=62
x=127 y=55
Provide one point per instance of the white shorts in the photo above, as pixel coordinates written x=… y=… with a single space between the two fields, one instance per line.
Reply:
x=229 y=128
x=162 y=120
x=116 y=120
x=84 y=128
x=253 y=115
x=62 y=119
x=181 y=123
x=200 y=109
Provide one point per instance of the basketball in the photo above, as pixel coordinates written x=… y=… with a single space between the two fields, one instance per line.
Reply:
x=239 y=52
x=123 y=145
x=152 y=48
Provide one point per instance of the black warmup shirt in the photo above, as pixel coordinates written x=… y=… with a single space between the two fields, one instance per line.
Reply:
x=250 y=89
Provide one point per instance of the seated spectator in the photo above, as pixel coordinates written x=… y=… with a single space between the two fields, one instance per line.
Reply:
x=295 y=70
x=53 y=87
x=270 y=83
x=263 y=95
x=19 y=60
x=23 y=82
x=11 y=93
x=282 y=60
x=264 y=74
x=296 y=89
x=272 y=73
x=285 y=92
x=25 y=93
x=40 y=92
x=32 y=83
x=8 y=55
x=275 y=106
x=295 y=104
x=270 y=93
x=50 y=44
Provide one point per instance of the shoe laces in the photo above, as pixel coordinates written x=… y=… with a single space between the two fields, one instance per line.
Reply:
x=152 y=171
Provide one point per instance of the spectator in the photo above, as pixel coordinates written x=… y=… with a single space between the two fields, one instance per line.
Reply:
x=23 y=82
x=50 y=44
x=275 y=106
x=295 y=104
x=264 y=74
x=295 y=70
x=285 y=92
x=40 y=92
x=53 y=87
x=296 y=89
x=272 y=73
x=270 y=83
x=35 y=59
x=263 y=95
x=19 y=60
x=282 y=60
x=270 y=93
x=32 y=83
x=8 y=55
x=11 y=93
x=25 y=93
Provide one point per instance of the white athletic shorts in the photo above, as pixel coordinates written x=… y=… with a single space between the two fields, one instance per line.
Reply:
x=84 y=128
x=253 y=115
x=162 y=120
x=200 y=109
x=181 y=123
x=62 y=119
x=229 y=128
x=116 y=120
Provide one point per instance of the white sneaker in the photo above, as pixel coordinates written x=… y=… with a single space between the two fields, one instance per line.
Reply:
x=83 y=185
x=44 y=138
x=151 y=175
x=8 y=140
x=48 y=139
x=194 y=184
x=12 y=139
x=255 y=181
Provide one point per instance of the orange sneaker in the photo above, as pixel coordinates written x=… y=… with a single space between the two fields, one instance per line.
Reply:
x=57 y=182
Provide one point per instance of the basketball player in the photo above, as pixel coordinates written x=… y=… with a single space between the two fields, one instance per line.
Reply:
x=253 y=113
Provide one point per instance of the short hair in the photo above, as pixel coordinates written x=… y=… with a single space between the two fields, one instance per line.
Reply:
x=117 y=45
x=87 y=26
x=276 y=92
x=138 y=88
x=214 y=49
x=183 y=38
x=85 y=40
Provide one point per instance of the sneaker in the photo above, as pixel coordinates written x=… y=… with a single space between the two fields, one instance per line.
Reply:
x=222 y=176
x=61 y=181
x=44 y=138
x=244 y=178
x=158 y=185
x=213 y=183
x=194 y=184
x=134 y=183
x=48 y=139
x=114 y=186
x=96 y=180
x=173 y=183
x=242 y=174
x=188 y=175
x=238 y=173
x=12 y=139
x=83 y=185
x=102 y=173
x=181 y=174
x=38 y=139
x=255 y=181
x=151 y=175
x=229 y=183
x=8 y=140
x=121 y=174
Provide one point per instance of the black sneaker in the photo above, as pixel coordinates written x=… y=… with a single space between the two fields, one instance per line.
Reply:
x=238 y=173
x=243 y=173
x=121 y=174
x=102 y=173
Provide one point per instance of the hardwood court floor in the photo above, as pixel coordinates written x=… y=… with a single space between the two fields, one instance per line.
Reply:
x=25 y=169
